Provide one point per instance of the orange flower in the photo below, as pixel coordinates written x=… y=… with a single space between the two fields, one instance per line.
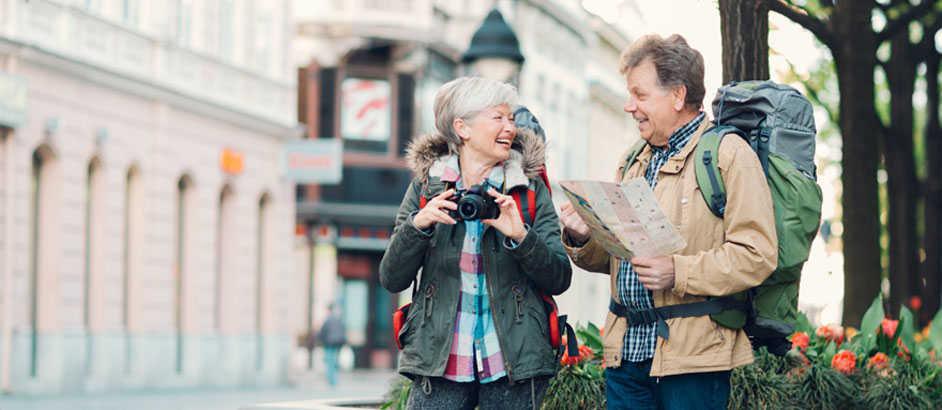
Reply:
x=602 y=331
x=800 y=340
x=915 y=302
x=879 y=361
x=832 y=332
x=850 y=332
x=844 y=362
x=889 y=326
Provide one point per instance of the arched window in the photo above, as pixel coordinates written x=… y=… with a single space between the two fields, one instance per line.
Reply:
x=43 y=259
x=133 y=219
x=263 y=262
x=225 y=252
x=182 y=239
x=94 y=235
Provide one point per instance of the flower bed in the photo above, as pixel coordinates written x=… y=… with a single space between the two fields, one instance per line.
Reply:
x=887 y=364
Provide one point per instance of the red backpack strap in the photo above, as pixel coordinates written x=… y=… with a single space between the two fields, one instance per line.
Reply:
x=526 y=203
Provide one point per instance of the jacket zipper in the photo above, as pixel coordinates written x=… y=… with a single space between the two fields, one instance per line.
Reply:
x=490 y=296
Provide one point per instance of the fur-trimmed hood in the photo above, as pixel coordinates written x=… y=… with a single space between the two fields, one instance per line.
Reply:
x=427 y=154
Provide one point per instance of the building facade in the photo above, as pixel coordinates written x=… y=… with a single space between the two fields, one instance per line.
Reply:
x=147 y=226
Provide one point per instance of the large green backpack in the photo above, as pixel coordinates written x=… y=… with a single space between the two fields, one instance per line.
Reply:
x=778 y=123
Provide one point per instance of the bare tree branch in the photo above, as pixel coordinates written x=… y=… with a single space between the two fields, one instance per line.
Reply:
x=801 y=16
x=904 y=19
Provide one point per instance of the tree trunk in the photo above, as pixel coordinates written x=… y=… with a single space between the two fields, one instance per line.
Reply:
x=900 y=168
x=855 y=58
x=745 y=30
x=932 y=268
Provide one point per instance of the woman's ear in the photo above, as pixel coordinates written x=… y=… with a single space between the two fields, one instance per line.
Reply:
x=461 y=128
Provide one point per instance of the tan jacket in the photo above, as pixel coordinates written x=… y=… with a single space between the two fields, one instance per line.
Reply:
x=723 y=256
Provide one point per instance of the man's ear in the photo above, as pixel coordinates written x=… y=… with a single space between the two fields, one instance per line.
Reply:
x=679 y=97
x=461 y=128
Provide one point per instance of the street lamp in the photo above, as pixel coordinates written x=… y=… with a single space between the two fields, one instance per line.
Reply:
x=494 y=52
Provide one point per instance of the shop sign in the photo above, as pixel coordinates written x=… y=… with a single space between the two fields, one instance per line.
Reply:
x=314 y=161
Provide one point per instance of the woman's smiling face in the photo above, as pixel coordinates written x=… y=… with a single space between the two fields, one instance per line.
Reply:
x=490 y=133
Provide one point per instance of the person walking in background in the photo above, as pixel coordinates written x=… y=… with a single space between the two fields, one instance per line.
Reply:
x=476 y=332
x=683 y=362
x=333 y=336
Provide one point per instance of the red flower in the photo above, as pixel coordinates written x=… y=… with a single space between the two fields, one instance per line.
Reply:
x=844 y=362
x=915 y=302
x=831 y=332
x=889 y=327
x=879 y=361
x=800 y=340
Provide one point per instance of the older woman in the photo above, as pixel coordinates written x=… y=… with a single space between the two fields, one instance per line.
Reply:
x=476 y=333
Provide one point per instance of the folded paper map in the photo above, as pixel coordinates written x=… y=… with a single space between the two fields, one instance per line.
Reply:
x=624 y=218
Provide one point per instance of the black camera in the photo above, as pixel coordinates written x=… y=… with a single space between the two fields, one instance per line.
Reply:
x=474 y=203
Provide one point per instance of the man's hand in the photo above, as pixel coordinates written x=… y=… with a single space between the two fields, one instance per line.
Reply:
x=654 y=273
x=573 y=223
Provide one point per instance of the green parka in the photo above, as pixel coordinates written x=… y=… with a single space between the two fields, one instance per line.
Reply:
x=514 y=275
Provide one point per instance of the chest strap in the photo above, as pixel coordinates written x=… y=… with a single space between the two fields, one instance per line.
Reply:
x=637 y=317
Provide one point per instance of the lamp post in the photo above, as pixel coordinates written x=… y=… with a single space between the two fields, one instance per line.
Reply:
x=494 y=51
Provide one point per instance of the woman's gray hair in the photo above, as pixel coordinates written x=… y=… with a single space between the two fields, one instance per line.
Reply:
x=464 y=98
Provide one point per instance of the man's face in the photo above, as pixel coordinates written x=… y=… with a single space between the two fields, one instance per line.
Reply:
x=657 y=110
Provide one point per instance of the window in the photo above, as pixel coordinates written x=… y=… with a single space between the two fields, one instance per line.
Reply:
x=132 y=220
x=226 y=29
x=45 y=183
x=94 y=233
x=180 y=260
x=263 y=43
x=129 y=11
x=262 y=262
x=184 y=22
x=225 y=238
x=36 y=202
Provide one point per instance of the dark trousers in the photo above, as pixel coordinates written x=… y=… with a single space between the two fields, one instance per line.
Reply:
x=434 y=393
x=630 y=387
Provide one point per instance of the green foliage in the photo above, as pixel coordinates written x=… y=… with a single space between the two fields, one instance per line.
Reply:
x=906 y=387
x=762 y=385
x=824 y=388
x=398 y=393
x=870 y=324
x=580 y=385
x=935 y=333
x=577 y=387
x=905 y=331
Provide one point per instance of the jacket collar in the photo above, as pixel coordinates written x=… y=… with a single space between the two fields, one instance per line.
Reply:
x=676 y=162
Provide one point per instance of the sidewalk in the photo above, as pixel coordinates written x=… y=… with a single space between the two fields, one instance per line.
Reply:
x=308 y=386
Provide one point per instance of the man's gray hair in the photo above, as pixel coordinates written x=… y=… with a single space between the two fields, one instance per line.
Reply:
x=675 y=61
x=464 y=98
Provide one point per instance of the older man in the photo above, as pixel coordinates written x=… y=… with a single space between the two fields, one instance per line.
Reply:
x=683 y=362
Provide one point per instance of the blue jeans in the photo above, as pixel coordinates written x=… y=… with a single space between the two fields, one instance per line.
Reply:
x=630 y=387
x=331 y=354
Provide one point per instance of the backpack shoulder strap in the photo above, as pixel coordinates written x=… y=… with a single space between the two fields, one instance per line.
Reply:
x=526 y=203
x=632 y=157
x=706 y=165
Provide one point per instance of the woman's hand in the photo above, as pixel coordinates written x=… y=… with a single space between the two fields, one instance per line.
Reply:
x=573 y=223
x=435 y=211
x=509 y=222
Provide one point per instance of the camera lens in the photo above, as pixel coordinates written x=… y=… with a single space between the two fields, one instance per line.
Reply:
x=470 y=206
